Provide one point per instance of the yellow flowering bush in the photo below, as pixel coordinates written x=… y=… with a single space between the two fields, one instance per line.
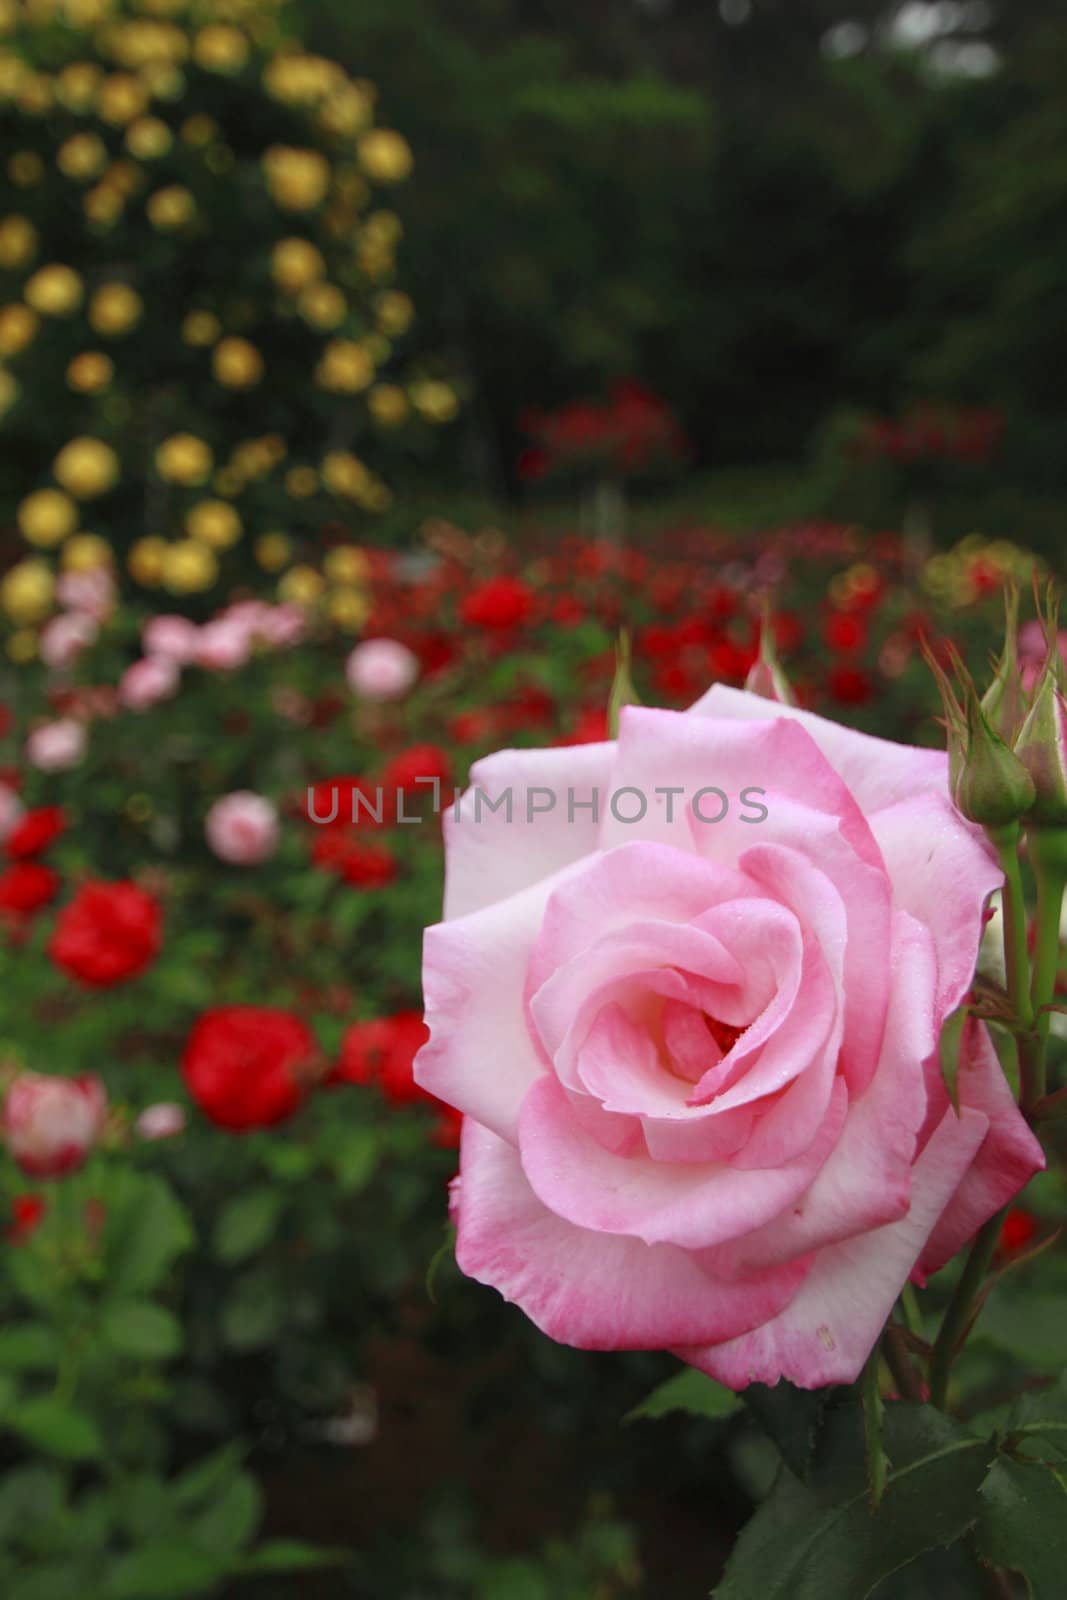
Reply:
x=203 y=350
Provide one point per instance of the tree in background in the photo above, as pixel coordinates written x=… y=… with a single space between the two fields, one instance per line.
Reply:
x=202 y=346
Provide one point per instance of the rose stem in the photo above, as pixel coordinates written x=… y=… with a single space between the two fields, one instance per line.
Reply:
x=959 y=1307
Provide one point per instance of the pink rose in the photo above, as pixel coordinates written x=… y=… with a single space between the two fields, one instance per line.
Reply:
x=162 y=1121
x=148 y=681
x=223 y=645
x=382 y=669
x=56 y=746
x=66 y=636
x=51 y=1124
x=242 y=828
x=11 y=809
x=696 y=1051
x=283 y=626
x=172 y=637
x=92 y=592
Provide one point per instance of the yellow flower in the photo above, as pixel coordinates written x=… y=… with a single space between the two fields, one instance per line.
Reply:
x=189 y=567
x=301 y=482
x=139 y=43
x=347 y=110
x=18 y=241
x=86 y=467
x=35 y=94
x=18 y=328
x=214 y=523
x=296 y=263
x=385 y=156
x=377 y=496
x=120 y=99
x=199 y=129
x=344 y=473
x=9 y=391
x=76 y=85
x=388 y=404
x=297 y=179
x=237 y=364
x=148 y=138
x=201 y=328
x=54 y=291
x=221 y=48
x=345 y=367
x=82 y=155
x=171 y=207
x=301 y=585
x=346 y=563
x=90 y=371
x=103 y=205
x=26 y=591
x=436 y=401
x=323 y=305
x=183 y=458
x=85 y=552
x=25 y=168
x=115 y=308
x=395 y=312
x=145 y=560
x=348 y=608
x=301 y=79
x=272 y=551
x=46 y=517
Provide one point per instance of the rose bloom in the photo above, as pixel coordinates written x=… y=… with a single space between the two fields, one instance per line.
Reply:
x=56 y=746
x=242 y=828
x=499 y=603
x=148 y=681
x=108 y=932
x=382 y=669
x=10 y=811
x=35 y=832
x=51 y=1124
x=66 y=636
x=246 y=1066
x=698 y=1060
x=27 y=887
x=382 y=1052
x=172 y=637
x=222 y=645
x=91 y=592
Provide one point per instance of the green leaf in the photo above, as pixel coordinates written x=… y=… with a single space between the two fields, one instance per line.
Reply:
x=246 y=1223
x=690 y=1391
x=291 y=1555
x=206 y=1477
x=165 y=1569
x=254 y=1311
x=1023 y=1524
x=949 y=1053
x=1037 y=1425
x=147 y=1231
x=29 y=1347
x=139 y=1328
x=231 y=1518
x=56 y=1429
x=805 y=1543
x=790 y=1418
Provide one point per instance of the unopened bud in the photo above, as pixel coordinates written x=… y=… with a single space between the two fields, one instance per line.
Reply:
x=766 y=676
x=1042 y=748
x=623 y=692
x=988 y=783
x=1005 y=702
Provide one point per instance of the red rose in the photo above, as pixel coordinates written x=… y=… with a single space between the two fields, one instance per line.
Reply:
x=109 y=931
x=35 y=832
x=364 y=866
x=845 y=631
x=248 y=1066
x=849 y=686
x=1019 y=1228
x=412 y=770
x=26 y=887
x=500 y=603
x=383 y=1052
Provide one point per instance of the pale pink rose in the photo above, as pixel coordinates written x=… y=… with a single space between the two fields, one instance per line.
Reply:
x=382 y=669
x=697 y=1057
x=92 y=592
x=148 y=681
x=222 y=645
x=242 y=828
x=163 y=1121
x=66 y=636
x=284 y=625
x=11 y=809
x=51 y=1124
x=56 y=746
x=172 y=637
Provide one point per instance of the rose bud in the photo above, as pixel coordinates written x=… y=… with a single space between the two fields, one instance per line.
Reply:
x=382 y=669
x=162 y=1121
x=242 y=828
x=766 y=676
x=988 y=783
x=50 y=1124
x=1004 y=702
x=1041 y=746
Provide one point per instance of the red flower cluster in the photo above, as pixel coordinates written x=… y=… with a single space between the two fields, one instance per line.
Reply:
x=382 y=1052
x=27 y=885
x=108 y=932
x=928 y=435
x=249 y=1066
x=633 y=432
